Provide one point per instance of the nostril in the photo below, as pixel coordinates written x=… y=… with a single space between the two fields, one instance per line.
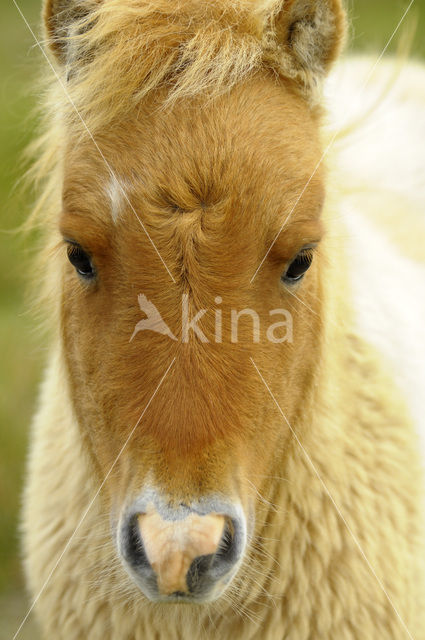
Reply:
x=134 y=551
x=197 y=570
x=217 y=564
x=225 y=546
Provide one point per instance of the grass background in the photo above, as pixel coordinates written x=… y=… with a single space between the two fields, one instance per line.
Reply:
x=21 y=353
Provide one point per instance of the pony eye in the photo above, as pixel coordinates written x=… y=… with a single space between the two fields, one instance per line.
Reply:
x=298 y=267
x=81 y=261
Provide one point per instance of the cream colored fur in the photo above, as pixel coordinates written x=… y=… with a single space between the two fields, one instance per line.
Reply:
x=312 y=582
x=314 y=571
x=305 y=577
x=381 y=197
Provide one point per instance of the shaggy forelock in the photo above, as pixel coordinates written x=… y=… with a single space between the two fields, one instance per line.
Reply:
x=122 y=50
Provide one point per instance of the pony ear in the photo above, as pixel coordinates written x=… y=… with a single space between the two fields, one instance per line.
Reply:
x=304 y=37
x=59 y=17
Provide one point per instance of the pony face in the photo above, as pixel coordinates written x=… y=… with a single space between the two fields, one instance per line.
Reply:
x=206 y=190
x=190 y=222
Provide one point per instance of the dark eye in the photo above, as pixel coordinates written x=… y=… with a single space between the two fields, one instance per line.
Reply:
x=298 y=267
x=81 y=261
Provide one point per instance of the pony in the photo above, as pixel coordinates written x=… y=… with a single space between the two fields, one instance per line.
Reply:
x=199 y=469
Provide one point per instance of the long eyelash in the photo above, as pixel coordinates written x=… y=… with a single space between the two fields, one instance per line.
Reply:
x=72 y=249
x=307 y=254
x=71 y=244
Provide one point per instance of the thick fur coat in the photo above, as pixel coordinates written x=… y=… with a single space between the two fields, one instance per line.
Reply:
x=337 y=551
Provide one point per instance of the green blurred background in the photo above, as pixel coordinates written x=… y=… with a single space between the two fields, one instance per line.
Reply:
x=21 y=347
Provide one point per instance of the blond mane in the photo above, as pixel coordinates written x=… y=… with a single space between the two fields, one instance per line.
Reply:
x=122 y=50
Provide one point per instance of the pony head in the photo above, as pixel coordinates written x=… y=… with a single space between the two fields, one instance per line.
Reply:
x=186 y=201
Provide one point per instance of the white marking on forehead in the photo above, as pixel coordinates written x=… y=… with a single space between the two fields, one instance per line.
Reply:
x=115 y=190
